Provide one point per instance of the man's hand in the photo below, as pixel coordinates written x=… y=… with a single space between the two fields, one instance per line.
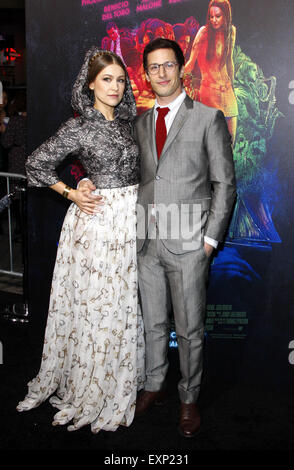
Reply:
x=208 y=249
x=85 y=200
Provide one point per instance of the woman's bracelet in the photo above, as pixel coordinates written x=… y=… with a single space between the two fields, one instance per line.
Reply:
x=66 y=191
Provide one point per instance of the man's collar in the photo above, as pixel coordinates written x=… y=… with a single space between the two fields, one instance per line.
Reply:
x=173 y=104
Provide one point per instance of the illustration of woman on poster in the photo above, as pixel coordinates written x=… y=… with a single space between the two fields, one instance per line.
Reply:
x=213 y=49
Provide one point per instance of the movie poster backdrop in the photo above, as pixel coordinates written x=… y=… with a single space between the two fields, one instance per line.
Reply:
x=249 y=322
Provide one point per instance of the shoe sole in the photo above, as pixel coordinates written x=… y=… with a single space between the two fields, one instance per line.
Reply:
x=155 y=403
x=188 y=436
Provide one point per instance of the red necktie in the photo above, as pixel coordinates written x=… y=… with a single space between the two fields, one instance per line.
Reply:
x=160 y=129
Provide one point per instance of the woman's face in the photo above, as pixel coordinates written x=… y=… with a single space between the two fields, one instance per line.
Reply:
x=159 y=33
x=217 y=19
x=109 y=86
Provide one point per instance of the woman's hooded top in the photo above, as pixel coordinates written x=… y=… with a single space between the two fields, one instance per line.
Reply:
x=105 y=148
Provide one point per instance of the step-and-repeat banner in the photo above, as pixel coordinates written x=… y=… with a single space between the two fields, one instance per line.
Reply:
x=249 y=324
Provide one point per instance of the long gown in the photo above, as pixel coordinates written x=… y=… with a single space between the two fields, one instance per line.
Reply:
x=93 y=354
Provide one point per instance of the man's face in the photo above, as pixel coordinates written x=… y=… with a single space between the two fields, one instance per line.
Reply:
x=113 y=34
x=252 y=73
x=164 y=83
x=184 y=42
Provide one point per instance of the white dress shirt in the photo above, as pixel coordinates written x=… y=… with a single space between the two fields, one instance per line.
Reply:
x=174 y=107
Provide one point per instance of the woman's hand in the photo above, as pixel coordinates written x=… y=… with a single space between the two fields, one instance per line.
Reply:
x=85 y=200
x=82 y=196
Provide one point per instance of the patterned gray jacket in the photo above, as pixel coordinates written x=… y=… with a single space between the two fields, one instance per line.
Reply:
x=106 y=149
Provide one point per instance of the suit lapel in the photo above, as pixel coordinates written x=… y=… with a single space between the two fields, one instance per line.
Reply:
x=180 y=119
x=151 y=132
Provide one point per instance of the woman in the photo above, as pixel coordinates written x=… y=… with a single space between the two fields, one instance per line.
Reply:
x=93 y=333
x=213 y=48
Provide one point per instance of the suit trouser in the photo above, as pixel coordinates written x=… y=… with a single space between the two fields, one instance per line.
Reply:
x=179 y=279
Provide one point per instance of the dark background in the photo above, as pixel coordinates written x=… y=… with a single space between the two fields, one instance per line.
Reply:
x=247 y=384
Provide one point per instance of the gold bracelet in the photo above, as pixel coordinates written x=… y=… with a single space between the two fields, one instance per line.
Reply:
x=66 y=191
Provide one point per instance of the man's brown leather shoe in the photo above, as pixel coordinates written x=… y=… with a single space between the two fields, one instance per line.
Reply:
x=190 y=420
x=146 y=399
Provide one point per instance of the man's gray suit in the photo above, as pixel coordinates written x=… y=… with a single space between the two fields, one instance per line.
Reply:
x=195 y=174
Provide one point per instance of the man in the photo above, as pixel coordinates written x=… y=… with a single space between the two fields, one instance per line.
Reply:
x=187 y=173
x=186 y=165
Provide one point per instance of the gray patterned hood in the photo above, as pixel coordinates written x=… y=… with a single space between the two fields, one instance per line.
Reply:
x=83 y=100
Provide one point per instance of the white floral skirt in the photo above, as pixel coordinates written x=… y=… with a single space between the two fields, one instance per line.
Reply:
x=93 y=355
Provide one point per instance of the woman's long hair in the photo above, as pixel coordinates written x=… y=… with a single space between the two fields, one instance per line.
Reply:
x=225 y=7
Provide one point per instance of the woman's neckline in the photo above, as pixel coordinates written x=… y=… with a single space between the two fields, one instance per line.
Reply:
x=104 y=118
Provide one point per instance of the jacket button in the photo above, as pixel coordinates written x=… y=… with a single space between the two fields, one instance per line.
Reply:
x=157 y=177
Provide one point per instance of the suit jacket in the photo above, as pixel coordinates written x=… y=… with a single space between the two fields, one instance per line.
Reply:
x=195 y=174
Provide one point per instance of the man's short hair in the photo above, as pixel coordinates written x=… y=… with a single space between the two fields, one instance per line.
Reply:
x=162 y=43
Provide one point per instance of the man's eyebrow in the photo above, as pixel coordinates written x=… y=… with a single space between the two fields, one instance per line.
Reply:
x=110 y=75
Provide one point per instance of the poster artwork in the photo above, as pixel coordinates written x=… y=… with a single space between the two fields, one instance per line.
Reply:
x=220 y=74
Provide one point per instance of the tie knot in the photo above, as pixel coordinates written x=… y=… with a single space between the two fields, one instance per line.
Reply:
x=162 y=112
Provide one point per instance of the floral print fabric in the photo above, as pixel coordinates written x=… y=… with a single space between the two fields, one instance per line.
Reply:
x=93 y=356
